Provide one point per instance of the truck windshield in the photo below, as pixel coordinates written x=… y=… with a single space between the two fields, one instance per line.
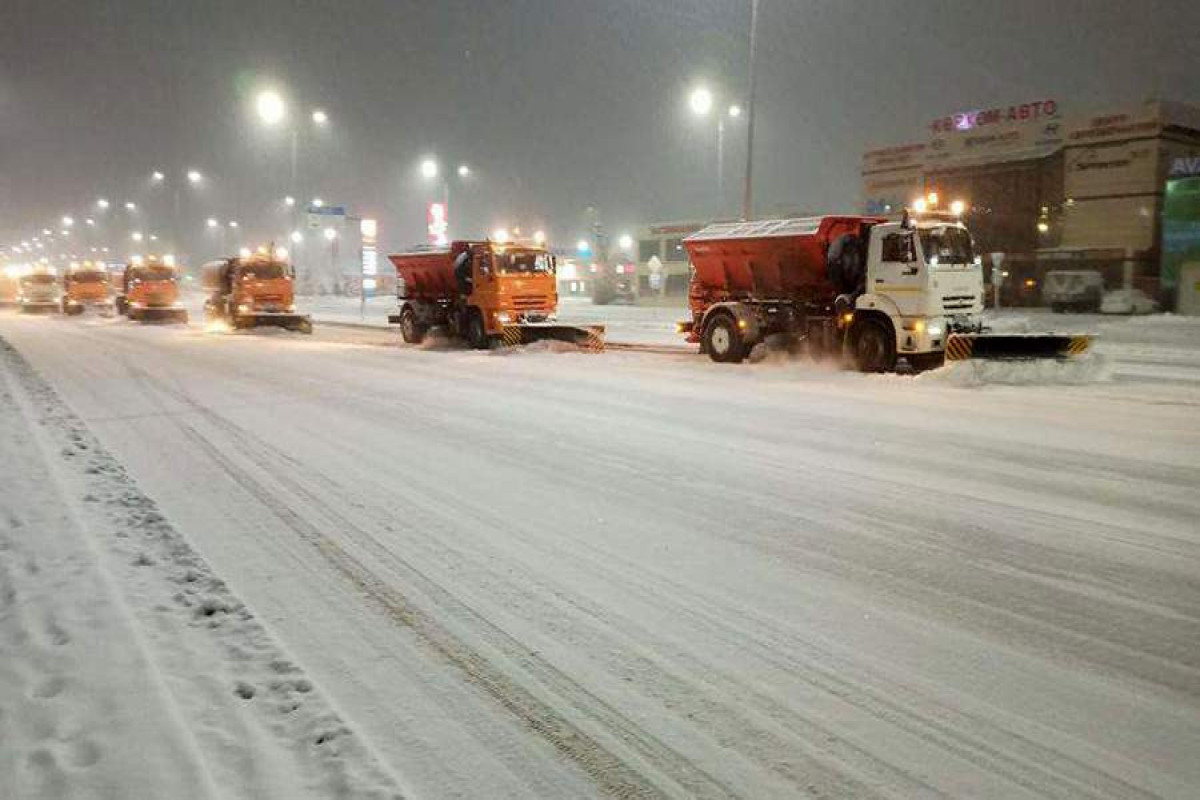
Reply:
x=524 y=262
x=88 y=277
x=263 y=270
x=40 y=279
x=152 y=273
x=948 y=245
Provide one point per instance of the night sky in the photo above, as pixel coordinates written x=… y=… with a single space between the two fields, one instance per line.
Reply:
x=557 y=105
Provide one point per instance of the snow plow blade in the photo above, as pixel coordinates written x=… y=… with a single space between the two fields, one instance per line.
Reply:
x=301 y=323
x=1016 y=346
x=588 y=337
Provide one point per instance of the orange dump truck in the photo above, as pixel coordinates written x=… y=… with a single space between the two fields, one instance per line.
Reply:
x=148 y=290
x=86 y=286
x=254 y=291
x=484 y=292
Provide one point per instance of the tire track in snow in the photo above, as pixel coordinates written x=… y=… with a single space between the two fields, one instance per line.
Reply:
x=613 y=775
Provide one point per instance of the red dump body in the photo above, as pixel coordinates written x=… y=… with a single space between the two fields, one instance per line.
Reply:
x=429 y=274
x=767 y=260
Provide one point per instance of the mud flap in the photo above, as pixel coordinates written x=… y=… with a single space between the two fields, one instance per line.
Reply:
x=1016 y=346
x=587 y=337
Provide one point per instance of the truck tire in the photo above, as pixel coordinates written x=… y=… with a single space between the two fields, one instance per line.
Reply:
x=722 y=340
x=411 y=331
x=873 y=347
x=476 y=331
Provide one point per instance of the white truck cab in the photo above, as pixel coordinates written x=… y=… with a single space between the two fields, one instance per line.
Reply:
x=923 y=275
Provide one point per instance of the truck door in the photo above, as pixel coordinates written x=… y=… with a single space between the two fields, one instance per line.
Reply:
x=895 y=269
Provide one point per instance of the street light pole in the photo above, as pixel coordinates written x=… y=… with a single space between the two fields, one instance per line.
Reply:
x=720 y=165
x=748 y=194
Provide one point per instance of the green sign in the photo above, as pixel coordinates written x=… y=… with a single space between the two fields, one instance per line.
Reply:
x=1181 y=228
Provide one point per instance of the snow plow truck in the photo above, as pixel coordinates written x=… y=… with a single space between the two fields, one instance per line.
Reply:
x=148 y=290
x=252 y=292
x=485 y=292
x=86 y=286
x=873 y=289
x=39 y=292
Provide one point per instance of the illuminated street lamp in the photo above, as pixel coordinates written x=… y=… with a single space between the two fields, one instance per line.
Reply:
x=317 y=202
x=429 y=169
x=131 y=206
x=212 y=223
x=89 y=221
x=158 y=177
x=625 y=242
x=297 y=237
x=270 y=107
x=136 y=236
x=330 y=234
x=464 y=171
x=68 y=221
x=320 y=117
x=289 y=201
x=701 y=103
x=194 y=176
x=233 y=223
x=102 y=204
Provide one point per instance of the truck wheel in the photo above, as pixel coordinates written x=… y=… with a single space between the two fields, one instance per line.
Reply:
x=874 y=347
x=476 y=332
x=723 y=340
x=412 y=332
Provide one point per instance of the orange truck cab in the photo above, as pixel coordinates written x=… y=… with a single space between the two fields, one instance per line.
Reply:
x=86 y=286
x=253 y=291
x=148 y=290
x=484 y=292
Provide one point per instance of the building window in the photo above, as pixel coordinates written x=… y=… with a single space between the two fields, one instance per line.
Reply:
x=647 y=249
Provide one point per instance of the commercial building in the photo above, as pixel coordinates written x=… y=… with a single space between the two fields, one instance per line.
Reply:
x=1048 y=189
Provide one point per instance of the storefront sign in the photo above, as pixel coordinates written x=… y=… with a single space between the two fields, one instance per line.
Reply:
x=970 y=120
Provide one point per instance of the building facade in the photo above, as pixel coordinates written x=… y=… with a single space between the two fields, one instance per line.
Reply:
x=1049 y=190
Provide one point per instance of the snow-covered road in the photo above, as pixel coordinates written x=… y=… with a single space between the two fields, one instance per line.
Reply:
x=553 y=574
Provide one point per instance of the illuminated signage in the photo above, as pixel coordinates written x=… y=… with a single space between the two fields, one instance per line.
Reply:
x=970 y=120
x=438 y=224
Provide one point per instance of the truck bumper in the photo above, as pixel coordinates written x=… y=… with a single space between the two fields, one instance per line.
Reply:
x=291 y=321
x=589 y=337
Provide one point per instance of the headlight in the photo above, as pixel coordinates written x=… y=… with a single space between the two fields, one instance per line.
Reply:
x=291 y=307
x=503 y=317
x=244 y=308
x=933 y=329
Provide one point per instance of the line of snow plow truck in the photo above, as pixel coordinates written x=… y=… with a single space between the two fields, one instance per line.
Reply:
x=86 y=286
x=252 y=292
x=148 y=290
x=485 y=292
x=872 y=289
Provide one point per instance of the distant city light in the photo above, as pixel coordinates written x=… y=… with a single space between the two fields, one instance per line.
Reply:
x=89 y=221
x=735 y=111
x=233 y=223
x=957 y=207
x=539 y=237
x=194 y=176
x=244 y=252
x=500 y=235
x=169 y=259
x=102 y=203
x=330 y=234
x=158 y=177
x=136 y=236
x=919 y=205
x=297 y=237
x=212 y=223
x=625 y=242
x=68 y=221
x=463 y=171
x=320 y=117
x=317 y=202
x=281 y=253
x=582 y=246
x=289 y=201
x=131 y=206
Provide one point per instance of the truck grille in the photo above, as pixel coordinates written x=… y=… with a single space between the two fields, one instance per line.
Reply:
x=958 y=302
x=524 y=302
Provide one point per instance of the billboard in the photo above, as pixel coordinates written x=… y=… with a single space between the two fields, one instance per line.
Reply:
x=1180 y=221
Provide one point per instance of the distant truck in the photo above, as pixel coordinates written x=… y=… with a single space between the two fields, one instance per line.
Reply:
x=86 y=286
x=1073 y=290
x=251 y=292
x=484 y=292
x=148 y=290
x=39 y=292
x=876 y=289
